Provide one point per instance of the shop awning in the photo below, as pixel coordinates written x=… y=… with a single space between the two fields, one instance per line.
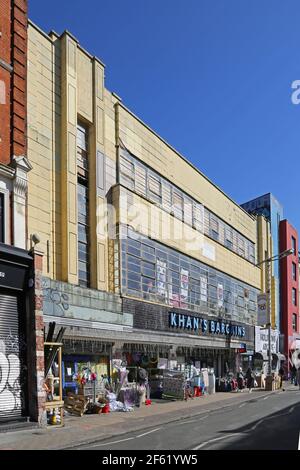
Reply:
x=261 y=355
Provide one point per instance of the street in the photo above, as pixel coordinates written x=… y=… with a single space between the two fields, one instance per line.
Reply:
x=261 y=423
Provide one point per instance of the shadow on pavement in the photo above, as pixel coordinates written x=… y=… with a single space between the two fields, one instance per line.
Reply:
x=276 y=431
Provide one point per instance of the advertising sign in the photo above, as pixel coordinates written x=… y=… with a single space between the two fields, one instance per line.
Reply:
x=262 y=340
x=220 y=294
x=262 y=309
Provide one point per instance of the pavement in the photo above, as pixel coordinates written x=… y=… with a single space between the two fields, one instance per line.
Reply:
x=90 y=430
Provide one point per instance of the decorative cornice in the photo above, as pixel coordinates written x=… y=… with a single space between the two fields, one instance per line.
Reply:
x=21 y=163
x=7 y=171
x=21 y=166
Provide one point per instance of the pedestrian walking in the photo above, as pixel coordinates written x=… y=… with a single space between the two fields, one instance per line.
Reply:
x=240 y=380
x=293 y=375
x=281 y=375
x=250 y=379
x=298 y=376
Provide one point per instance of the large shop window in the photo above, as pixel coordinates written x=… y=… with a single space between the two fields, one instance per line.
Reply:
x=83 y=207
x=137 y=177
x=2 y=215
x=154 y=272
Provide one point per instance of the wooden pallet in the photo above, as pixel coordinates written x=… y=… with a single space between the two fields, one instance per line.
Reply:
x=75 y=404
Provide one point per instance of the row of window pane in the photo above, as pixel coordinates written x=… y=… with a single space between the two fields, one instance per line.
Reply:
x=83 y=206
x=139 y=178
x=154 y=272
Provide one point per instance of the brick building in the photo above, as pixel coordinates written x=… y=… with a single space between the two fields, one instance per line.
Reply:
x=20 y=319
x=290 y=326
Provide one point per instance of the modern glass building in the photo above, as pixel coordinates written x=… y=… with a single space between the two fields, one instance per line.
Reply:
x=268 y=206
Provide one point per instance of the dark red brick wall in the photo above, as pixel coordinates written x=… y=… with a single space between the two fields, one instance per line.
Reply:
x=13 y=51
x=19 y=62
x=287 y=283
x=5 y=80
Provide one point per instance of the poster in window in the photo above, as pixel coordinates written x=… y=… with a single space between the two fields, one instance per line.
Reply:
x=203 y=289
x=175 y=300
x=161 y=274
x=220 y=294
x=184 y=286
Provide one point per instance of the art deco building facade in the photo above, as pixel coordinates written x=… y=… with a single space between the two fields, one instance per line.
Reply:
x=143 y=255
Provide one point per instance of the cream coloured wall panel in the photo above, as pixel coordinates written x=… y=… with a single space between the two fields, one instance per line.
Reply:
x=85 y=86
x=71 y=58
x=73 y=253
x=72 y=153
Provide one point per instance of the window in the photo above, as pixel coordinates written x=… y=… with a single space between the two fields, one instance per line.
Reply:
x=294 y=296
x=294 y=271
x=83 y=235
x=177 y=205
x=188 y=211
x=2 y=214
x=229 y=238
x=214 y=227
x=154 y=188
x=154 y=272
x=241 y=246
x=82 y=151
x=198 y=217
x=126 y=172
x=137 y=177
x=294 y=322
x=83 y=207
x=294 y=245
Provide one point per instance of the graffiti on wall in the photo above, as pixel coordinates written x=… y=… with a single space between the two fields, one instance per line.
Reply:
x=55 y=302
x=10 y=373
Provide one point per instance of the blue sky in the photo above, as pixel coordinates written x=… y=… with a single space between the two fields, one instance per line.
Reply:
x=212 y=77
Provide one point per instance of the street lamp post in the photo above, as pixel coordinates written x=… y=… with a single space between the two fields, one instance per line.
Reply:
x=269 y=261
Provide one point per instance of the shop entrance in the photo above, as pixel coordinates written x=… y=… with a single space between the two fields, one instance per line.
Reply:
x=78 y=370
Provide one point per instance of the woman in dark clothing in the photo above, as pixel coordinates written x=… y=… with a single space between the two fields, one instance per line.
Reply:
x=293 y=375
x=250 y=379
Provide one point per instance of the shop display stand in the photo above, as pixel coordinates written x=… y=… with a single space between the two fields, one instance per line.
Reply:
x=57 y=402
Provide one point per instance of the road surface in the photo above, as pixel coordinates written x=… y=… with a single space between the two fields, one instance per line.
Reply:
x=261 y=423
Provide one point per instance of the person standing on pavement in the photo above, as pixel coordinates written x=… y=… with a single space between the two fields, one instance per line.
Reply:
x=293 y=375
x=250 y=379
x=281 y=375
x=240 y=380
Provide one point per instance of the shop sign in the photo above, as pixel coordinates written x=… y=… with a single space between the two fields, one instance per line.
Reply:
x=188 y=322
x=12 y=275
x=262 y=340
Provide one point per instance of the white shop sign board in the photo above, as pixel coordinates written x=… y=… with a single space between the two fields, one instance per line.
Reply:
x=262 y=340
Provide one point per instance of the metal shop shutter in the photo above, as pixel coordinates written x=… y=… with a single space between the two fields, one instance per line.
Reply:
x=10 y=389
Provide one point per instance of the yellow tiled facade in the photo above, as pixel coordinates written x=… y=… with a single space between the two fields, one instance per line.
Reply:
x=66 y=85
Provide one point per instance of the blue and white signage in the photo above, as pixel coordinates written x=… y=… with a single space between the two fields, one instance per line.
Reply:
x=187 y=322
